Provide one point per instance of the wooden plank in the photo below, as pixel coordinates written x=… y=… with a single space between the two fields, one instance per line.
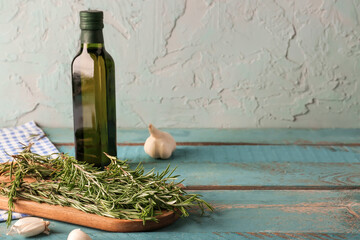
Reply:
x=206 y=236
x=278 y=211
x=252 y=215
x=61 y=235
x=262 y=166
x=263 y=136
x=242 y=154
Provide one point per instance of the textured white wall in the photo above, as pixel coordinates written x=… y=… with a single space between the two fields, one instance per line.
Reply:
x=194 y=63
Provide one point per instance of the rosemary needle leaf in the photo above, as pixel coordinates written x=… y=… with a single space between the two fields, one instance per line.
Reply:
x=115 y=192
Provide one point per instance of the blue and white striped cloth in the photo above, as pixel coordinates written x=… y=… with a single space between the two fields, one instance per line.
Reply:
x=13 y=140
x=4 y=215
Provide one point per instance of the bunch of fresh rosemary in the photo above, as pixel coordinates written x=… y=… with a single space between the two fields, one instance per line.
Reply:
x=116 y=192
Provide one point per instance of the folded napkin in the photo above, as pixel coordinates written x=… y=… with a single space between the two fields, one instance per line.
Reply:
x=13 y=140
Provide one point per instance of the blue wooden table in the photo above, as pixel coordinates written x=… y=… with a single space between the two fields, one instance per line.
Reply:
x=264 y=184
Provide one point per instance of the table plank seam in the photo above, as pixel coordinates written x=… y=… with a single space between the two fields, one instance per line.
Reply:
x=316 y=144
x=239 y=187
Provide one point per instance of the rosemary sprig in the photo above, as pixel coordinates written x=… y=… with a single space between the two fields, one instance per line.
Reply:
x=116 y=192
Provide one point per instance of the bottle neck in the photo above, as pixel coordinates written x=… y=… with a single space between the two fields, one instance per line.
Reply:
x=92 y=36
x=96 y=46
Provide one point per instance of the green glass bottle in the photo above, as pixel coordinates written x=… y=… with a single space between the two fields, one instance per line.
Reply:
x=93 y=84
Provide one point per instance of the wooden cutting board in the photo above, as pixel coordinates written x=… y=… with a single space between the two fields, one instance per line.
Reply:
x=74 y=216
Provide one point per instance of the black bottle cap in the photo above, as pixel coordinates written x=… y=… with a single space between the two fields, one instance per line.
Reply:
x=91 y=20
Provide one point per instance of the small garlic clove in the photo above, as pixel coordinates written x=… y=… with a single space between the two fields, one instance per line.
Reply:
x=27 y=220
x=33 y=229
x=30 y=226
x=77 y=234
x=159 y=144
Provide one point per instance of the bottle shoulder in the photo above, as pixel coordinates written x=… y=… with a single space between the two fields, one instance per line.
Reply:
x=108 y=58
x=94 y=52
x=76 y=57
x=89 y=57
x=82 y=58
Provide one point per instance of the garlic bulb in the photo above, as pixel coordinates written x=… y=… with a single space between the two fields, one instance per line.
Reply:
x=77 y=234
x=30 y=226
x=160 y=144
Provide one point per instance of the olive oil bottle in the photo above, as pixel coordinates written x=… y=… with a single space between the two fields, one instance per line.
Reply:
x=93 y=84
